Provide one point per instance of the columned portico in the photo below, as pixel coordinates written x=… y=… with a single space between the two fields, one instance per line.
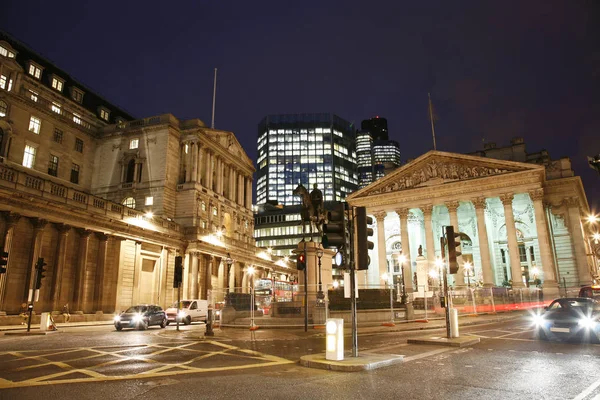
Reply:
x=407 y=271
x=511 y=236
x=381 y=250
x=548 y=266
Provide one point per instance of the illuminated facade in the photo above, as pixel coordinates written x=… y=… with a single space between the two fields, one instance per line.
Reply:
x=307 y=149
x=109 y=201
x=376 y=155
x=386 y=157
x=364 y=158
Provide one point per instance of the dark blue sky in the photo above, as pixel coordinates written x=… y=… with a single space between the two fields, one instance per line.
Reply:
x=495 y=70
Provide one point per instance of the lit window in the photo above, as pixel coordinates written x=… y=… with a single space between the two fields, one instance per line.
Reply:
x=58 y=135
x=77 y=95
x=134 y=143
x=57 y=84
x=75 y=173
x=56 y=107
x=79 y=145
x=129 y=202
x=29 y=156
x=149 y=200
x=33 y=95
x=3 y=81
x=35 y=124
x=6 y=53
x=203 y=206
x=53 y=165
x=214 y=210
x=77 y=118
x=3 y=108
x=35 y=71
x=104 y=114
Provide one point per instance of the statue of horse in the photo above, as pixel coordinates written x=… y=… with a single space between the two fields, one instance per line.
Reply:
x=310 y=211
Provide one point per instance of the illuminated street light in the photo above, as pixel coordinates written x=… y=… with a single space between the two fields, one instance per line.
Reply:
x=269 y=250
x=336 y=284
x=596 y=236
x=468 y=267
x=433 y=274
x=286 y=259
x=592 y=218
x=149 y=214
x=219 y=233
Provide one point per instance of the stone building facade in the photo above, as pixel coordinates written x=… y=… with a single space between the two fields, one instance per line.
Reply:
x=109 y=201
x=519 y=221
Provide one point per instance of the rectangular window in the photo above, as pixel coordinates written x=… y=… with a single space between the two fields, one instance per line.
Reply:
x=35 y=125
x=134 y=143
x=77 y=118
x=214 y=210
x=3 y=81
x=522 y=253
x=53 y=165
x=58 y=135
x=75 y=173
x=6 y=53
x=35 y=71
x=77 y=95
x=29 y=157
x=56 y=107
x=57 y=84
x=33 y=95
x=104 y=114
x=149 y=200
x=79 y=145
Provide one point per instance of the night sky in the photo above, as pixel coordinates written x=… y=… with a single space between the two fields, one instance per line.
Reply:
x=495 y=70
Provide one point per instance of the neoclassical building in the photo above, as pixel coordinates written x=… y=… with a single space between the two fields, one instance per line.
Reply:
x=519 y=221
x=109 y=201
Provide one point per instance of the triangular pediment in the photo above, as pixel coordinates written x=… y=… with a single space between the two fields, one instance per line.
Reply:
x=228 y=141
x=438 y=168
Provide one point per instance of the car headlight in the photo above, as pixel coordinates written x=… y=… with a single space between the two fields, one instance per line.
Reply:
x=181 y=314
x=538 y=320
x=117 y=318
x=587 y=322
x=138 y=318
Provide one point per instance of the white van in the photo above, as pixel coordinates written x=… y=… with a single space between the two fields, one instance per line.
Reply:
x=190 y=310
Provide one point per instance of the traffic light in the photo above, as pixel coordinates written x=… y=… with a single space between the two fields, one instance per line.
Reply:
x=301 y=262
x=41 y=270
x=363 y=233
x=453 y=249
x=178 y=277
x=3 y=262
x=336 y=228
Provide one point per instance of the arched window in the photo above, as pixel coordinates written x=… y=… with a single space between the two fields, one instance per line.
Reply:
x=129 y=202
x=3 y=108
x=130 y=171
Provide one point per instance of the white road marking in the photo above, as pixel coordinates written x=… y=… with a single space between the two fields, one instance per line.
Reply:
x=587 y=391
x=468 y=366
x=427 y=354
x=497 y=368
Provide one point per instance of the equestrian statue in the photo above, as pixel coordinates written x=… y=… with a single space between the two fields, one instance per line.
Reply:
x=312 y=208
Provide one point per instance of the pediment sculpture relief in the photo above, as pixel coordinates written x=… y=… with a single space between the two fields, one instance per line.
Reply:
x=443 y=171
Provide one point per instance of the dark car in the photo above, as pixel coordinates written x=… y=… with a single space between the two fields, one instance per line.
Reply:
x=141 y=317
x=570 y=318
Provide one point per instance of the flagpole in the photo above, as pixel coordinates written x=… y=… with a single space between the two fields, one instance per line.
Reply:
x=431 y=119
x=212 y=122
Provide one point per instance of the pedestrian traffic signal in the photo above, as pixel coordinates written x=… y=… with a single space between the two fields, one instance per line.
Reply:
x=301 y=262
x=363 y=233
x=3 y=262
x=178 y=276
x=40 y=266
x=453 y=249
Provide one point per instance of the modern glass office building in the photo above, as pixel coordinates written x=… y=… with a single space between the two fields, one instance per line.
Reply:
x=364 y=157
x=386 y=157
x=306 y=149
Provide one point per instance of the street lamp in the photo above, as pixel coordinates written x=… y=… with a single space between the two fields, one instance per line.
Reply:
x=229 y=262
x=468 y=267
x=320 y=295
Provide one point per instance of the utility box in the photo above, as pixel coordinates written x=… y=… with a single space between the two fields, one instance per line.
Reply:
x=46 y=323
x=334 y=336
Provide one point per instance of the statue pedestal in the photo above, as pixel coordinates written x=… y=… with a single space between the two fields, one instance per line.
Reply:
x=312 y=271
x=423 y=278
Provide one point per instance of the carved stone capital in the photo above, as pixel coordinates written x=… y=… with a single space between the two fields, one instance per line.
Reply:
x=11 y=219
x=403 y=212
x=101 y=236
x=38 y=223
x=63 y=229
x=452 y=206
x=427 y=210
x=84 y=233
x=537 y=194
x=480 y=203
x=507 y=199
x=380 y=216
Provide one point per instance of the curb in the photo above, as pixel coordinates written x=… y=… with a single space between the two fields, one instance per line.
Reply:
x=351 y=364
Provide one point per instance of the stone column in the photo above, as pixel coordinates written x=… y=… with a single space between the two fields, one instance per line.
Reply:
x=381 y=252
x=59 y=266
x=100 y=268
x=429 y=239
x=459 y=277
x=207 y=171
x=202 y=276
x=583 y=269
x=548 y=267
x=407 y=278
x=200 y=164
x=194 y=166
x=137 y=271
x=80 y=271
x=248 y=192
x=187 y=161
x=38 y=226
x=513 y=247
x=219 y=175
x=11 y=221
x=484 y=247
x=194 y=276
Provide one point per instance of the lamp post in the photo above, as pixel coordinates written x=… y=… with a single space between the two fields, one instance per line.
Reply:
x=468 y=267
x=320 y=295
x=229 y=262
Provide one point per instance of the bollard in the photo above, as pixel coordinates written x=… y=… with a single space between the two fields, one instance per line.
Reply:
x=209 y=320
